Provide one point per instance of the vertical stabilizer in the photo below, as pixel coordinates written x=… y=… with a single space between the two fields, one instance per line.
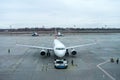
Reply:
x=55 y=33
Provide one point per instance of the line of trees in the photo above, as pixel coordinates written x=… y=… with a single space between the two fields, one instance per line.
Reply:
x=61 y=29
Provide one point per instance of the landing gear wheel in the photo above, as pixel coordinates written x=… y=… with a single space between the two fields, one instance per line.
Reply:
x=67 y=53
x=48 y=53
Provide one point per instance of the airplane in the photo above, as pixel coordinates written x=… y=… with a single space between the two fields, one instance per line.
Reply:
x=59 y=34
x=59 y=49
x=35 y=34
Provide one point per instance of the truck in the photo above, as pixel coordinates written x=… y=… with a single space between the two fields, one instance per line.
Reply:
x=60 y=63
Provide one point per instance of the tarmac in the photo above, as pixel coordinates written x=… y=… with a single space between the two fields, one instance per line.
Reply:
x=91 y=62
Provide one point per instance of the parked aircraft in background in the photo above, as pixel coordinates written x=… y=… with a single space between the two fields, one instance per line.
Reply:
x=59 y=34
x=35 y=34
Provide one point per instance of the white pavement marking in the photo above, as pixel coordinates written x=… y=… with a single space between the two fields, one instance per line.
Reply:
x=104 y=70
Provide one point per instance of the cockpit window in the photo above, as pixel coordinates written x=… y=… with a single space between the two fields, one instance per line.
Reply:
x=60 y=48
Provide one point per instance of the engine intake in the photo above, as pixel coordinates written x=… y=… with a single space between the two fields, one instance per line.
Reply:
x=43 y=52
x=73 y=52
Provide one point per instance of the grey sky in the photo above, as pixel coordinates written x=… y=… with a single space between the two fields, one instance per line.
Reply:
x=64 y=13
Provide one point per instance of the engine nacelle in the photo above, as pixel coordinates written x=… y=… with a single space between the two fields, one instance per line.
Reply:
x=43 y=52
x=73 y=52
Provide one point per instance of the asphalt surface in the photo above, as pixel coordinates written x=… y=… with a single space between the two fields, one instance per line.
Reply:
x=91 y=63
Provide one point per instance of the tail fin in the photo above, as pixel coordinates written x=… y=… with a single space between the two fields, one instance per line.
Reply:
x=55 y=33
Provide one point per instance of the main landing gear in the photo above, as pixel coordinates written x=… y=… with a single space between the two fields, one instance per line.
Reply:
x=67 y=53
x=48 y=53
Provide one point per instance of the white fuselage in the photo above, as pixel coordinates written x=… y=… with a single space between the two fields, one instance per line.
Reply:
x=59 y=48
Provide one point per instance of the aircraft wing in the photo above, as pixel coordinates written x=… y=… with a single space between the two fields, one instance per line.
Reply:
x=35 y=47
x=80 y=45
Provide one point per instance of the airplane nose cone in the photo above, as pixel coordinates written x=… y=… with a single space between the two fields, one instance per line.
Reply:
x=60 y=53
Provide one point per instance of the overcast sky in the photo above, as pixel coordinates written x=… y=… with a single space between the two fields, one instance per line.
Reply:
x=63 y=13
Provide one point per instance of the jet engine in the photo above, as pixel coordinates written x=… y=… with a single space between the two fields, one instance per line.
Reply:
x=43 y=52
x=73 y=52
